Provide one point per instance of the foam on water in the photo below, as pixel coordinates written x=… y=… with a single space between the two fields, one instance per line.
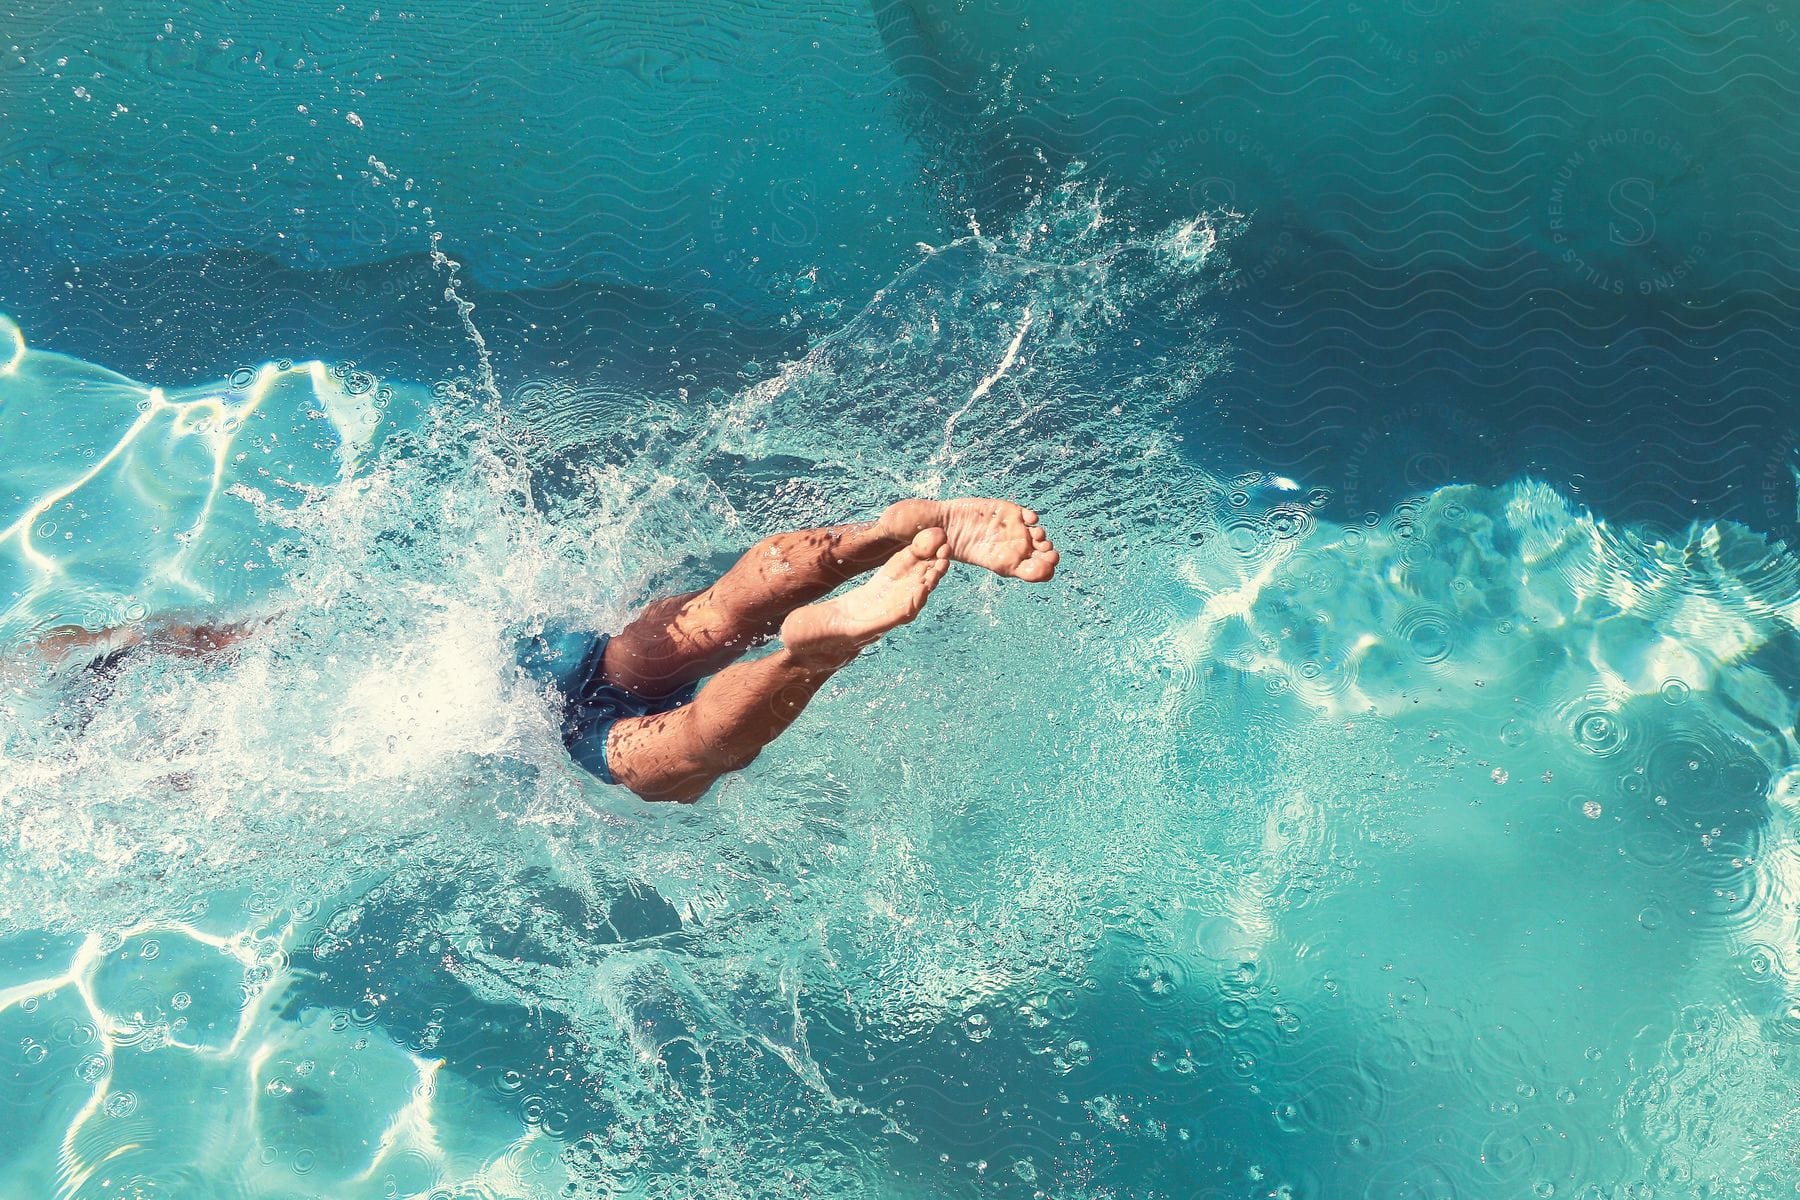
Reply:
x=1448 y=854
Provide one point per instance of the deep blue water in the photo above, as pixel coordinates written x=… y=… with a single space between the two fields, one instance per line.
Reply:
x=1391 y=800
x=1561 y=243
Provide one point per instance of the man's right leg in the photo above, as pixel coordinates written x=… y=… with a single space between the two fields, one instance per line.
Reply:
x=677 y=755
x=680 y=639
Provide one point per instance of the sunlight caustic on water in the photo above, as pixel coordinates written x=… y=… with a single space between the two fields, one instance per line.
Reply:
x=1448 y=850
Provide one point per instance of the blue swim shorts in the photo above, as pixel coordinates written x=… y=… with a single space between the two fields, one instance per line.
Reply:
x=572 y=664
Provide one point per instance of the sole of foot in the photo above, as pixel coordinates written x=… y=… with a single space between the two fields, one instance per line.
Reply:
x=999 y=535
x=831 y=632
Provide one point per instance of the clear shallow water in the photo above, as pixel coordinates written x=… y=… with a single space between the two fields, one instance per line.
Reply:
x=1278 y=850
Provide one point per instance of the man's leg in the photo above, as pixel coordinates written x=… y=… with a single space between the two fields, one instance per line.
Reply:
x=677 y=640
x=677 y=755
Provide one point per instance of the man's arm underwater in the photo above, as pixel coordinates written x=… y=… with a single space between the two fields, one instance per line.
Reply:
x=182 y=638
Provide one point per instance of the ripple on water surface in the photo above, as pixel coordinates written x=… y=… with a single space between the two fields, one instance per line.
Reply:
x=1427 y=855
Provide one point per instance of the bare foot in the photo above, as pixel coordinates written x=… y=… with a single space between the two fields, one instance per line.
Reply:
x=832 y=631
x=997 y=534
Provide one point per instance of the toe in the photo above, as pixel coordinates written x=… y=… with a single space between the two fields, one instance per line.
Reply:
x=1031 y=517
x=927 y=542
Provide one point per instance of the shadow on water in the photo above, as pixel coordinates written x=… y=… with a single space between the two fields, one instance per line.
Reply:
x=199 y=317
x=1445 y=277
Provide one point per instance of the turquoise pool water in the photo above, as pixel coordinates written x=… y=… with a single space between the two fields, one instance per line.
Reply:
x=1394 y=796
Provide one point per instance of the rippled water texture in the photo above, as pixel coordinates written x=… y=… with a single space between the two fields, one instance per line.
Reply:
x=1359 y=817
x=1447 y=852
